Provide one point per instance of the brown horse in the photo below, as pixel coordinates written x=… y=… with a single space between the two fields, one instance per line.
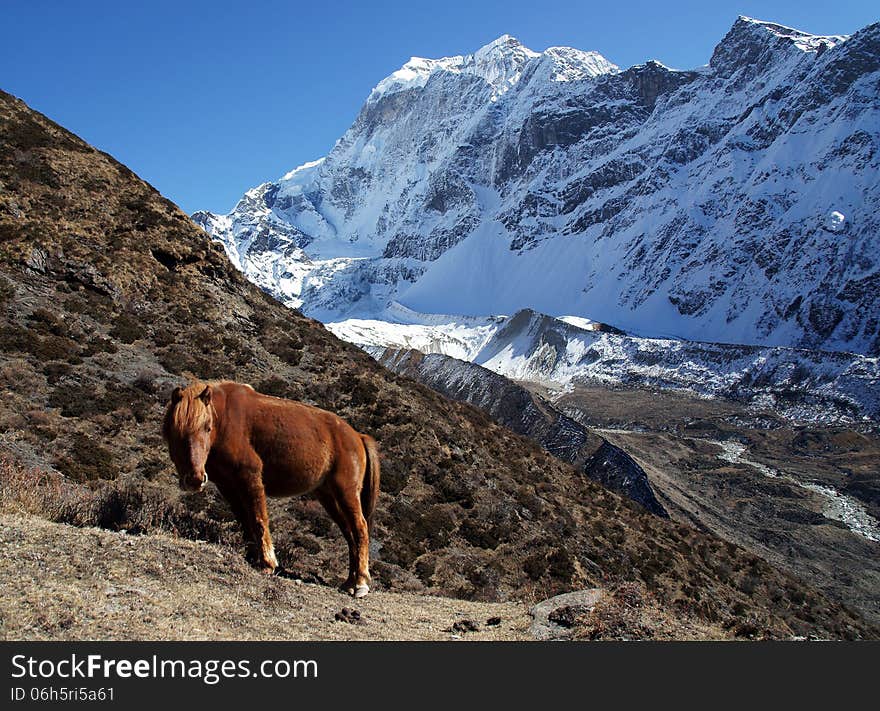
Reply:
x=252 y=446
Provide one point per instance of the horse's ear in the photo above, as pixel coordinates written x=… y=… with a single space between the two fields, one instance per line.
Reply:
x=205 y=395
x=176 y=395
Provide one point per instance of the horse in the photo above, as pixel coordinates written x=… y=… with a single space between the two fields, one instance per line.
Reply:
x=253 y=446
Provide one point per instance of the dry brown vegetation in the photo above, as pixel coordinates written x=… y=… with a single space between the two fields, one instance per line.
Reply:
x=65 y=583
x=630 y=612
x=136 y=507
x=110 y=296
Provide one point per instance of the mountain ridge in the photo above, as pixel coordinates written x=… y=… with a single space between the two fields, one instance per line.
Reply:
x=798 y=384
x=525 y=413
x=695 y=203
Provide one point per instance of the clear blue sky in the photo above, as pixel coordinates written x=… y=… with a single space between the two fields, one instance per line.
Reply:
x=207 y=99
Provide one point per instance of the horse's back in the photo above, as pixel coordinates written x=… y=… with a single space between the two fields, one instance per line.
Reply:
x=298 y=444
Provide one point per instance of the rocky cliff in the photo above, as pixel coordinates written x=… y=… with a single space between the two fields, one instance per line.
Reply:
x=513 y=406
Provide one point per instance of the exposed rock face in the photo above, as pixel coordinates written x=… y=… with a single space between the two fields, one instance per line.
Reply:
x=527 y=414
x=665 y=202
x=613 y=467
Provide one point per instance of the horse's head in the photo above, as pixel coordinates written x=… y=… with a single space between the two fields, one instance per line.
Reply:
x=189 y=432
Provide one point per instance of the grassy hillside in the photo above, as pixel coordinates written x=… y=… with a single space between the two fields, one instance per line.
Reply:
x=108 y=585
x=109 y=296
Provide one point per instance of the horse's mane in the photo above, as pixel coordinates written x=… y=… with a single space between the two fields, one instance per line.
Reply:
x=189 y=413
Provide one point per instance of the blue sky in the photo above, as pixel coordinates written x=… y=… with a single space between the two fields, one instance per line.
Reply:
x=207 y=99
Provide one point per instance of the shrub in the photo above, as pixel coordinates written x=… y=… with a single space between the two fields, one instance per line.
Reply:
x=132 y=506
x=164 y=337
x=14 y=338
x=86 y=460
x=620 y=614
x=45 y=494
x=141 y=508
x=278 y=387
x=561 y=564
x=52 y=347
x=535 y=565
x=127 y=329
x=7 y=291
x=75 y=400
x=55 y=370
x=99 y=344
x=435 y=526
x=45 y=321
x=287 y=348
x=180 y=360
x=91 y=303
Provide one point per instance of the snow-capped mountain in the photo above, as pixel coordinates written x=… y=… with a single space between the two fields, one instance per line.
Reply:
x=799 y=384
x=736 y=203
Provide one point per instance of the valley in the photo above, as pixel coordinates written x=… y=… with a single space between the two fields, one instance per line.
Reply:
x=804 y=497
x=678 y=261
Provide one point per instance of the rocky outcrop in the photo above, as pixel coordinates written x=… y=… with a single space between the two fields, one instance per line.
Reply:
x=514 y=406
x=548 y=626
x=614 y=468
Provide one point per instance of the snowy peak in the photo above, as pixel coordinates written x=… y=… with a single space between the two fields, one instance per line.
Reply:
x=503 y=46
x=755 y=43
x=411 y=75
x=736 y=203
x=301 y=170
x=802 y=40
x=563 y=64
x=500 y=63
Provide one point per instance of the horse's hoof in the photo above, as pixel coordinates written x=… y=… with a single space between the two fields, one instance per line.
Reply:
x=361 y=590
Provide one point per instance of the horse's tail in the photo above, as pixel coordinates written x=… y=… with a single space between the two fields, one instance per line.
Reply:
x=370 y=489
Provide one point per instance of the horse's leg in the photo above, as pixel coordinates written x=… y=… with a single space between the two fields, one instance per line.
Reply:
x=257 y=515
x=328 y=501
x=230 y=494
x=349 y=501
x=239 y=510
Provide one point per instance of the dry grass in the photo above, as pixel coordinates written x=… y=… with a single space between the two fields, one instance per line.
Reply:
x=64 y=583
x=630 y=612
x=136 y=507
x=48 y=494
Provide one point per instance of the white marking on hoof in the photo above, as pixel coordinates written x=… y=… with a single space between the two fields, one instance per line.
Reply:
x=361 y=590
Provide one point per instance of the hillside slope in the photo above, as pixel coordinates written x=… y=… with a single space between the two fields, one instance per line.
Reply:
x=513 y=406
x=109 y=295
x=106 y=585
